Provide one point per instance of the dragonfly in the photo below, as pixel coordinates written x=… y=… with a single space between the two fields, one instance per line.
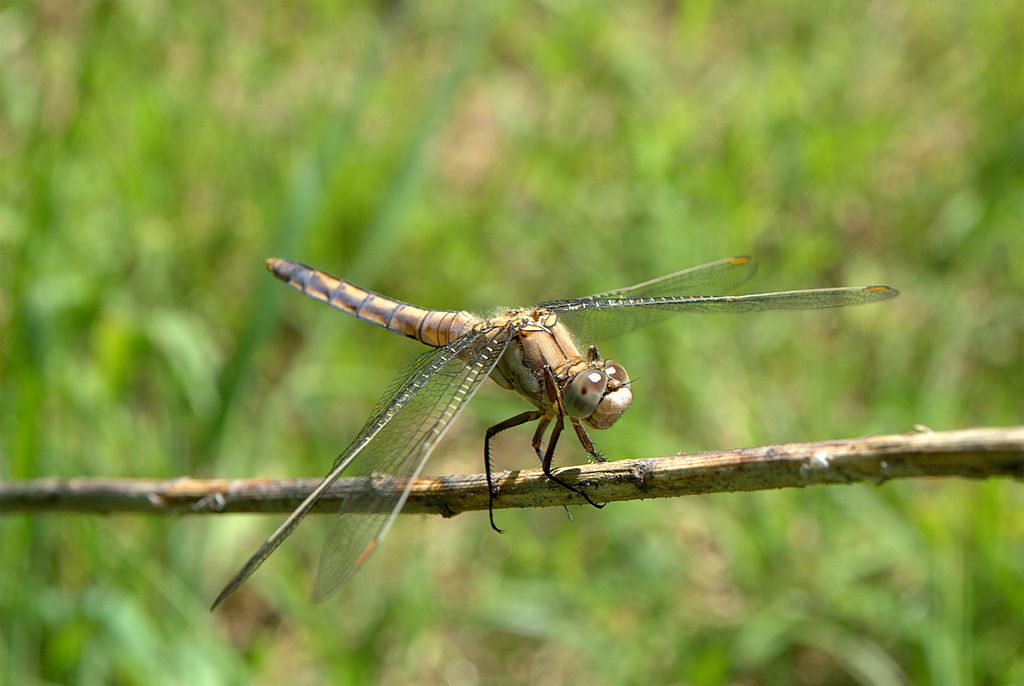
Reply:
x=535 y=351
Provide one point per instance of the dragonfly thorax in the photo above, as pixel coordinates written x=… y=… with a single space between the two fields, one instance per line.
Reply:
x=593 y=390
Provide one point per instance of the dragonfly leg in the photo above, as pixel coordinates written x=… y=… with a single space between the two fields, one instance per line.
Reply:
x=584 y=437
x=546 y=464
x=551 y=388
x=538 y=436
x=492 y=488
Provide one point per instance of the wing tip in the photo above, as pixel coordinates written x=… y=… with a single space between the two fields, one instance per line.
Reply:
x=367 y=552
x=882 y=291
x=224 y=594
x=323 y=589
x=741 y=259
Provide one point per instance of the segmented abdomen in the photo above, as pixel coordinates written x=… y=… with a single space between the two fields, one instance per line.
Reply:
x=433 y=327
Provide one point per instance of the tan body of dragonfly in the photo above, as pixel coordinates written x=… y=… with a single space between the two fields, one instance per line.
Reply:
x=533 y=350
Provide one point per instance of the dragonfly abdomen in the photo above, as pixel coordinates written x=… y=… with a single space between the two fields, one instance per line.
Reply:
x=432 y=327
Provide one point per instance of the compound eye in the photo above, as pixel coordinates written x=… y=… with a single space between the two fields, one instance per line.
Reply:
x=616 y=372
x=584 y=392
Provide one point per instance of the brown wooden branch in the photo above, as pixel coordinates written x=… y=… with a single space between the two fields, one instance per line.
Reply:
x=970 y=453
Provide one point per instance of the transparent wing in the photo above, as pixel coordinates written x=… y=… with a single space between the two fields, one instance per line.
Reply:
x=602 y=318
x=714 y=278
x=408 y=421
x=400 y=450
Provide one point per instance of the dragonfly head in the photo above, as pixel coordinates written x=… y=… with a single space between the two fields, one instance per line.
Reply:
x=598 y=395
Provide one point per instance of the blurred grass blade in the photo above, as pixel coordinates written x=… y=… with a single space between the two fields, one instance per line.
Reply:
x=306 y=197
x=386 y=227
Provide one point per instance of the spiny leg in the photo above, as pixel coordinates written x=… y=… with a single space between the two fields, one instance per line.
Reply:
x=551 y=389
x=538 y=436
x=555 y=398
x=584 y=437
x=492 y=490
x=546 y=465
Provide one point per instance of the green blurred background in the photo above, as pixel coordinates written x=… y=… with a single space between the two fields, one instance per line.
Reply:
x=464 y=155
